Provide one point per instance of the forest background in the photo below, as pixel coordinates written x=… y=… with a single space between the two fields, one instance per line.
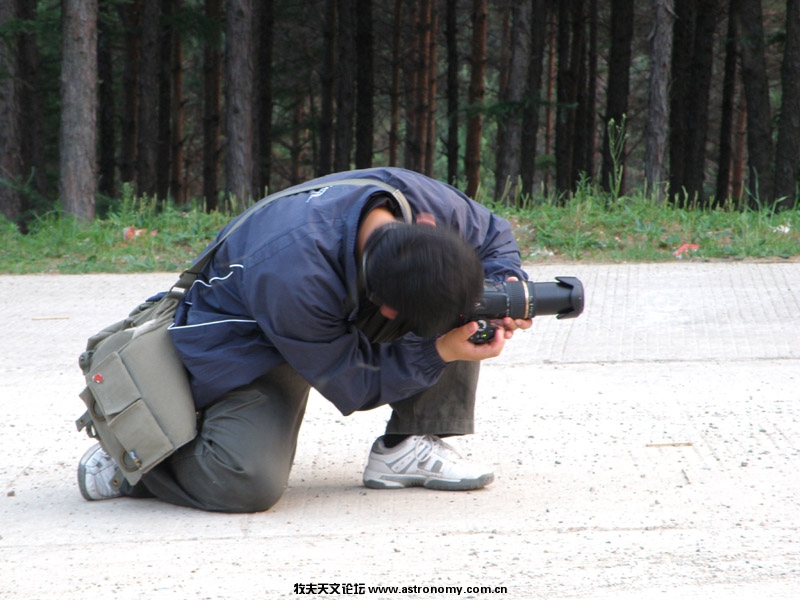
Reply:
x=130 y=130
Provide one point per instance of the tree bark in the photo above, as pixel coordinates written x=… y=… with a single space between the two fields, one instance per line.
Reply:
x=726 y=110
x=106 y=115
x=579 y=62
x=530 y=128
x=682 y=44
x=756 y=90
x=166 y=31
x=346 y=92
x=787 y=154
x=477 y=90
x=394 y=110
x=130 y=15
x=590 y=112
x=327 y=78
x=78 y=137
x=34 y=145
x=11 y=125
x=412 y=75
x=509 y=146
x=698 y=97
x=365 y=84
x=147 y=138
x=566 y=97
x=239 y=101
x=433 y=81
x=422 y=88
x=657 y=128
x=451 y=36
x=177 y=184
x=618 y=81
x=212 y=73
x=262 y=142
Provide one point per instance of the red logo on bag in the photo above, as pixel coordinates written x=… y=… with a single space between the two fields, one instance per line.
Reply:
x=97 y=378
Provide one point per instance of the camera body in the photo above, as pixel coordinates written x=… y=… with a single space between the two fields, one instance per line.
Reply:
x=525 y=300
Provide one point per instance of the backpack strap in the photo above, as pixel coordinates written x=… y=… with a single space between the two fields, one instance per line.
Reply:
x=189 y=275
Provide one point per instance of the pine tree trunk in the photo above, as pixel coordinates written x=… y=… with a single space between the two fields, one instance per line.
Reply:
x=239 y=101
x=726 y=110
x=657 y=129
x=590 y=112
x=477 y=90
x=106 y=115
x=413 y=77
x=756 y=90
x=34 y=145
x=698 y=98
x=566 y=98
x=164 y=149
x=147 y=138
x=578 y=60
x=346 y=92
x=682 y=44
x=430 y=128
x=451 y=34
x=530 y=128
x=509 y=144
x=11 y=126
x=129 y=15
x=78 y=136
x=618 y=80
x=365 y=86
x=327 y=75
x=739 y=150
x=394 y=111
x=262 y=115
x=422 y=84
x=177 y=180
x=212 y=73
x=787 y=154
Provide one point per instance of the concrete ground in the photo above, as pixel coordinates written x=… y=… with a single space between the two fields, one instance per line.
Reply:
x=648 y=449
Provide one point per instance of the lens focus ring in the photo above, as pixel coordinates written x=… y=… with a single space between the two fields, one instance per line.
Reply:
x=520 y=303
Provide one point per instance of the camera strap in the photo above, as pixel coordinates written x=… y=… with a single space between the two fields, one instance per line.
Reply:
x=189 y=275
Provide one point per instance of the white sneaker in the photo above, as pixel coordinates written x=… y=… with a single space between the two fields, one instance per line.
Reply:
x=97 y=475
x=426 y=461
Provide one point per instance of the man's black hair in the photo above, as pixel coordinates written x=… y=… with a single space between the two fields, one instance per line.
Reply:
x=429 y=275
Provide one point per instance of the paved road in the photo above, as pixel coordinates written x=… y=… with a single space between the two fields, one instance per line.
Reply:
x=648 y=449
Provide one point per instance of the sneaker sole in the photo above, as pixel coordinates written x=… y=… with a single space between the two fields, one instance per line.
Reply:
x=395 y=482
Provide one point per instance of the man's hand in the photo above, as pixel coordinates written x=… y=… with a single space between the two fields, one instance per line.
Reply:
x=455 y=344
x=509 y=325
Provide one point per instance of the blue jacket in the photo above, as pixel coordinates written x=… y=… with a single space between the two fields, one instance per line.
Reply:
x=283 y=288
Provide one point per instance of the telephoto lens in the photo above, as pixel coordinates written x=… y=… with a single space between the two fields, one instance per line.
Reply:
x=526 y=300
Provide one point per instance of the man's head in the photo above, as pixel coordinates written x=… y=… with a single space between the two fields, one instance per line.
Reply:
x=429 y=275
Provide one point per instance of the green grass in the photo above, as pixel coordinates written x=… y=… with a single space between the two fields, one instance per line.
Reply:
x=634 y=228
x=168 y=240
x=586 y=227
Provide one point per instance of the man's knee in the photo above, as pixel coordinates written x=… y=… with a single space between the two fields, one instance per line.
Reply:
x=252 y=490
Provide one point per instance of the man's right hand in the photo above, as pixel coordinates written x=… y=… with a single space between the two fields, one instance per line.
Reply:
x=455 y=344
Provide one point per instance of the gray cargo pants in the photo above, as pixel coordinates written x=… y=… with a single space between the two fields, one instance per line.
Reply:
x=243 y=453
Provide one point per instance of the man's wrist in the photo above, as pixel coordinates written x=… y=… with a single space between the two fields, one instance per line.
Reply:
x=442 y=350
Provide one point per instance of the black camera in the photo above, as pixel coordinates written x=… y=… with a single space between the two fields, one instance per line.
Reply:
x=525 y=300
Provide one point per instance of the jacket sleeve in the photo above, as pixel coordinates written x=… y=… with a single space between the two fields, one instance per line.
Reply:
x=307 y=325
x=491 y=236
